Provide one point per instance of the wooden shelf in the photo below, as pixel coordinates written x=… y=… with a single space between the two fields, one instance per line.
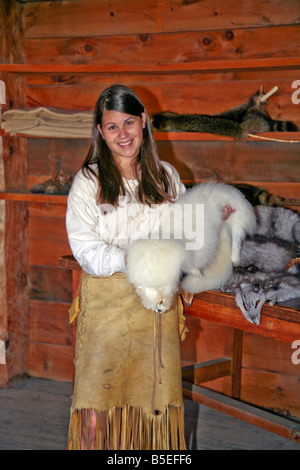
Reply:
x=287 y=137
x=33 y=197
x=201 y=66
x=159 y=136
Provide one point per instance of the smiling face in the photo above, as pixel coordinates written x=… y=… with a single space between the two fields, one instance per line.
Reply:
x=123 y=134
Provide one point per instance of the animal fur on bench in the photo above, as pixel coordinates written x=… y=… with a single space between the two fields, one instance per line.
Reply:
x=202 y=256
x=264 y=273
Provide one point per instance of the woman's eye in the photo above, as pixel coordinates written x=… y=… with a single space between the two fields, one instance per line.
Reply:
x=129 y=123
x=111 y=128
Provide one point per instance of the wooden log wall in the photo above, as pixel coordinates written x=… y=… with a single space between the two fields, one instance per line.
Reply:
x=185 y=56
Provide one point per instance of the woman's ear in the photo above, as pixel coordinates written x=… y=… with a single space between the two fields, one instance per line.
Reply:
x=144 y=119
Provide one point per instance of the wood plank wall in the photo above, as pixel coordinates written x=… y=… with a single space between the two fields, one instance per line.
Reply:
x=152 y=33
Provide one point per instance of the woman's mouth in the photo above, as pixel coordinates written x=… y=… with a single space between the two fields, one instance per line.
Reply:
x=126 y=144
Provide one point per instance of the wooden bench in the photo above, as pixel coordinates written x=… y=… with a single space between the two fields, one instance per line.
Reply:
x=281 y=322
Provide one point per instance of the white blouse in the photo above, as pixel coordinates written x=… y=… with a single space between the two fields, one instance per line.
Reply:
x=99 y=234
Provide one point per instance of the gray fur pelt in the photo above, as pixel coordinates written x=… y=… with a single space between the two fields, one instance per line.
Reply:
x=262 y=274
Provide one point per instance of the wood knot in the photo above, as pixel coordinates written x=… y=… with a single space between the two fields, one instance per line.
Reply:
x=206 y=41
x=88 y=48
x=189 y=2
x=229 y=35
x=144 y=38
x=23 y=279
x=61 y=78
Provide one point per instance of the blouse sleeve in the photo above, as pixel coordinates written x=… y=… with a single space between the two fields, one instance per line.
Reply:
x=93 y=254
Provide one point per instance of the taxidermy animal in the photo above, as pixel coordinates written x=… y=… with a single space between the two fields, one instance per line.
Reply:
x=278 y=222
x=262 y=274
x=252 y=289
x=248 y=118
x=60 y=183
x=200 y=259
x=260 y=196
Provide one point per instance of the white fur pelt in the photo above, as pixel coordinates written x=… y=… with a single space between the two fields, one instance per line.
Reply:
x=155 y=267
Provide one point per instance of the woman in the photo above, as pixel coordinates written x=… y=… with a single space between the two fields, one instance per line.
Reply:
x=127 y=390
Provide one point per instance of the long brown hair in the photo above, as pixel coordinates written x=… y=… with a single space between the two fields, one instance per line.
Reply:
x=155 y=185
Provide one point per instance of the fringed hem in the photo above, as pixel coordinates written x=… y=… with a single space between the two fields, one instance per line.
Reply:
x=127 y=428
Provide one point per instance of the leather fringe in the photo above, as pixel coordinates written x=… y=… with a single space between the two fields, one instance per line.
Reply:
x=127 y=428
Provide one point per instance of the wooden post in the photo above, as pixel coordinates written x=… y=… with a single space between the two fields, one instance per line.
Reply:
x=237 y=356
x=14 y=292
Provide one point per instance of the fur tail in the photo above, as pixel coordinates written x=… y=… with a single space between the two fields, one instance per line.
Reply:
x=283 y=126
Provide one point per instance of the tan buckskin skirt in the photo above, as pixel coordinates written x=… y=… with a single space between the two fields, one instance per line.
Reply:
x=127 y=389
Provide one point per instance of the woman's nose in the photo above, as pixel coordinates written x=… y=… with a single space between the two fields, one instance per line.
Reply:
x=123 y=132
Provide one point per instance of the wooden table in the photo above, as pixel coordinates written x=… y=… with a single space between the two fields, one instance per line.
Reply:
x=281 y=322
